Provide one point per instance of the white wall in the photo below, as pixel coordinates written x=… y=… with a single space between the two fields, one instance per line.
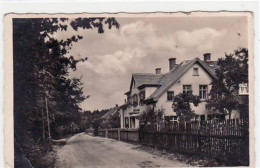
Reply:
x=121 y=118
x=187 y=79
x=141 y=109
x=149 y=91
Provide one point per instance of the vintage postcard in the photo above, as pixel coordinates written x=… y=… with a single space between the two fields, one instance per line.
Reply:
x=129 y=90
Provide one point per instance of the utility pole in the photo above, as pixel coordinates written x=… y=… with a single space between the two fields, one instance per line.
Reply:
x=48 y=120
x=43 y=125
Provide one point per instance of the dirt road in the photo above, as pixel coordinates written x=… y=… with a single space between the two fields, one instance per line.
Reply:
x=83 y=150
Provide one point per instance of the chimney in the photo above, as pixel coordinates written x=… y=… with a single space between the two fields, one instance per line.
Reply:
x=116 y=105
x=158 y=71
x=172 y=63
x=207 y=57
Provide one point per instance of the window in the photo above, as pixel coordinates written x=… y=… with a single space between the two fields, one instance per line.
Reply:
x=243 y=89
x=210 y=117
x=195 y=71
x=175 y=118
x=202 y=118
x=129 y=101
x=196 y=117
x=170 y=95
x=187 y=88
x=132 y=122
x=135 y=100
x=126 y=122
x=141 y=97
x=203 y=92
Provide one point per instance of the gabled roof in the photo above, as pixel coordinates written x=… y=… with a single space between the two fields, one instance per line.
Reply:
x=110 y=112
x=174 y=75
x=145 y=79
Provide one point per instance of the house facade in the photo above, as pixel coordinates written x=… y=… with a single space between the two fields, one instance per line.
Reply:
x=157 y=91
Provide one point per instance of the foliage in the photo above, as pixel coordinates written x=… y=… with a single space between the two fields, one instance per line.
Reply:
x=152 y=116
x=96 y=124
x=112 y=121
x=182 y=105
x=92 y=119
x=41 y=71
x=232 y=71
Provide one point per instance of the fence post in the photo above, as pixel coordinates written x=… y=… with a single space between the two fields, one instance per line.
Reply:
x=118 y=130
x=106 y=132
x=199 y=137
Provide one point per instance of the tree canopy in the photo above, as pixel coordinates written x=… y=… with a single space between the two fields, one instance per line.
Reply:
x=232 y=71
x=41 y=71
x=152 y=116
x=182 y=105
x=42 y=82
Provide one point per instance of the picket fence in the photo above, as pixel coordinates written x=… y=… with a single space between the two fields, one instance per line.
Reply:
x=228 y=139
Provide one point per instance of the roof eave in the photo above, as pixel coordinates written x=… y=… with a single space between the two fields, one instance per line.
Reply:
x=148 y=85
x=127 y=93
x=150 y=100
x=196 y=60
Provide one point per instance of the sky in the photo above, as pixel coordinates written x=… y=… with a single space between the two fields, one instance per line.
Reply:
x=142 y=44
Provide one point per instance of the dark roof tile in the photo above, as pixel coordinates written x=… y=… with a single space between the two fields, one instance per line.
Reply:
x=171 y=77
x=110 y=112
x=146 y=79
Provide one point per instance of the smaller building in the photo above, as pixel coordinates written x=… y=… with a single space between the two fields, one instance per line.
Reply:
x=114 y=114
x=111 y=112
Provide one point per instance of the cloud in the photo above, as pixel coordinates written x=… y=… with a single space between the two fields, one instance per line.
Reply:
x=200 y=39
x=147 y=37
x=136 y=41
x=117 y=62
x=135 y=47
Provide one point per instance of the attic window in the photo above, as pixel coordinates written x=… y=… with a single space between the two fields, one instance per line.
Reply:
x=195 y=71
x=141 y=97
x=129 y=101
x=135 y=100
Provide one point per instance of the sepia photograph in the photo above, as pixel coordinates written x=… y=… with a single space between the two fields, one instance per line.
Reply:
x=131 y=90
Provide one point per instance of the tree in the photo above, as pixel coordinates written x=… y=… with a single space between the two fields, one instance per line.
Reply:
x=182 y=105
x=89 y=117
x=41 y=72
x=152 y=116
x=232 y=71
x=114 y=121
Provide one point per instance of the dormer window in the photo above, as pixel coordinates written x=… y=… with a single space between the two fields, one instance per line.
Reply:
x=135 y=100
x=129 y=101
x=141 y=97
x=195 y=71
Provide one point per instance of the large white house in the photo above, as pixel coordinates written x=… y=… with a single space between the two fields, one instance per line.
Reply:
x=157 y=90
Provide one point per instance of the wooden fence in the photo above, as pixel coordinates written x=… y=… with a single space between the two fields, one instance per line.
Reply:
x=120 y=134
x=228 y=139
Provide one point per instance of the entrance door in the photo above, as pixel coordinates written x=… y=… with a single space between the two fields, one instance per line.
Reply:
x=132 y=122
